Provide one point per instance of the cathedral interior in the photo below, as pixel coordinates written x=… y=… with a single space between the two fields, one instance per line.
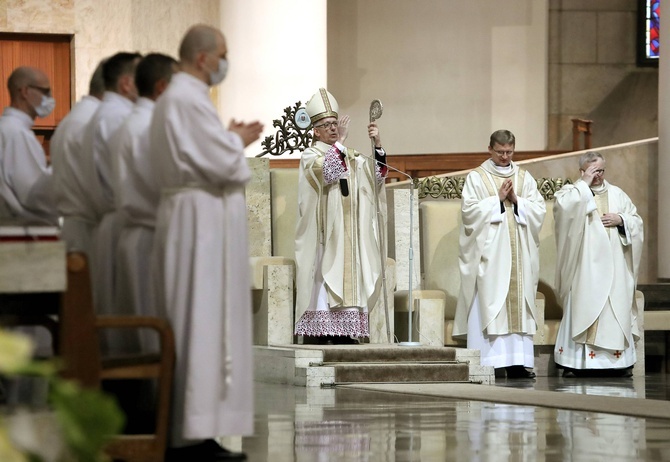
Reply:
x=565 y=76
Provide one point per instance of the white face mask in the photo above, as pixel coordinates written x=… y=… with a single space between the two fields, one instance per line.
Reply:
x=216 y=77
x=46 y=106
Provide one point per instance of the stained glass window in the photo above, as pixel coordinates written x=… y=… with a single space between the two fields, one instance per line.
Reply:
x=652 y=25
x=649 y=32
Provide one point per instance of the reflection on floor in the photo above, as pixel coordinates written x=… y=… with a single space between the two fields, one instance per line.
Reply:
x=314 y=424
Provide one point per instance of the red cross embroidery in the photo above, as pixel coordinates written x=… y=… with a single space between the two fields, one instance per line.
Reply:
x=592 y=355
x=560 y=350
x=617 y=354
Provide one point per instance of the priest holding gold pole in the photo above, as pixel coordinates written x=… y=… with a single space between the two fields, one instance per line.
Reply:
x=339 y=273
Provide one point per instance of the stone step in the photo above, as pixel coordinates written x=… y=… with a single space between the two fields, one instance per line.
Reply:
x=319 y=365
x=393 y=354
x=401 y=372
x=656 y=296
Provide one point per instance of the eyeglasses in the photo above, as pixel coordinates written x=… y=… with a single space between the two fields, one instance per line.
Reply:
x=327 y=125
x=502 y=153
x=43 y=90
x=600 y=171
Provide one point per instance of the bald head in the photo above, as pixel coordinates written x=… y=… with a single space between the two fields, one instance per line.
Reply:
x=202 y=52
x=28 y=88
x=199 y=38
x=23 y=77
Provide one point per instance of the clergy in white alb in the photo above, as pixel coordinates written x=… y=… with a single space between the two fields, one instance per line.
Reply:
x=67 y=161
x=26 y=182
x=137 y=197
x=201 y=259
x=117 y=104
x=502 y=213
x=599 y=238
x=339 y=244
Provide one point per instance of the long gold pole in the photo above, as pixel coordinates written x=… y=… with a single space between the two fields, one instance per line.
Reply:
x=375 y=113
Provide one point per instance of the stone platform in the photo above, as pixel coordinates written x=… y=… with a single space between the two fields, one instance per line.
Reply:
x=325 y=365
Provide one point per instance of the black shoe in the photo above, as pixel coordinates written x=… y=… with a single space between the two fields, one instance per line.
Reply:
x=310 y=340
x=325 y=340
x=627 y=372
x=569 y=373
x=207 y=451
x=345 y=340
x=519 y=372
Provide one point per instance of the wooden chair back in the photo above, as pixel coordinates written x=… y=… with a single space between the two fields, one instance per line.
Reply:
x=83 y=361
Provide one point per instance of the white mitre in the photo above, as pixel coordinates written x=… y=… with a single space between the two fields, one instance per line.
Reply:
x=321 y=105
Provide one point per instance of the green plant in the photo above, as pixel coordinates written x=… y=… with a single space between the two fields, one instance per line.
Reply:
x=76 y=425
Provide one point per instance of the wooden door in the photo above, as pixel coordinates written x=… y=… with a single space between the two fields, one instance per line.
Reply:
x=52 y=54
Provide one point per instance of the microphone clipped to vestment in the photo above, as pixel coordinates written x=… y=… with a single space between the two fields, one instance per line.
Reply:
x=344 y=187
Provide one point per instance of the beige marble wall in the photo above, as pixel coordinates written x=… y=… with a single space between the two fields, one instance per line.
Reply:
x=403 y=222
x=102 y=28
x=444 y=87
x=258 y=208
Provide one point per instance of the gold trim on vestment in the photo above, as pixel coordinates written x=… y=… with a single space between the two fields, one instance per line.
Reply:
x=349 y=270
x=329 y=109
x=515 y=305
x=313 y=175
x=602 y=205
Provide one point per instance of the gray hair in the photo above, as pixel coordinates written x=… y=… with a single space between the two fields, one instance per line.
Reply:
x=502 y=137
x=589 y=158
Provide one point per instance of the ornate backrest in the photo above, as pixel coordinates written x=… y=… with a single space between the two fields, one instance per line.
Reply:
x=292 y=132
x=451 y=187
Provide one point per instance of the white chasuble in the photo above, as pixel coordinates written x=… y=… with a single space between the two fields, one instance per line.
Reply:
x=499 y=259
x=338 y=249
x=596 y=276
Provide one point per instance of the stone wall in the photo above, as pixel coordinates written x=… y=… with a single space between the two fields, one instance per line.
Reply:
x=593 y=73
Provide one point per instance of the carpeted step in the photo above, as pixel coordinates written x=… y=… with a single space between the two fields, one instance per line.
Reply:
x=355 y=353
x=401 y=372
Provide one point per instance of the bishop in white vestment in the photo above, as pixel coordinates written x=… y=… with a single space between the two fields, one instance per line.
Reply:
x=340 y=244
x=599 y=238
x=502 y=213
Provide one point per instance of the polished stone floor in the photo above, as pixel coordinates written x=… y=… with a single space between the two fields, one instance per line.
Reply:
x=314 y=424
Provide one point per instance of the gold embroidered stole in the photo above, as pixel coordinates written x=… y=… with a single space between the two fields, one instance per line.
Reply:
x=602 y=204
x=350 y=228
x=514 y=304
x=314 y=176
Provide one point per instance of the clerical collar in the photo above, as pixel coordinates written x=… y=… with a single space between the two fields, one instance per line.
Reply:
x=599 y=189
x=499 y=169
